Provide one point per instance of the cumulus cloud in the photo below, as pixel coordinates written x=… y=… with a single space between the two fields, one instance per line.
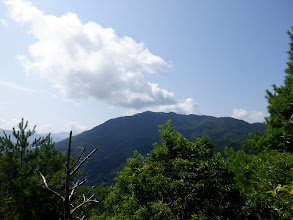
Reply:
x=188 y=106
x=239 y=113
x=252 y=116
x=75 y=127
x=257 y=116
x=88 y=61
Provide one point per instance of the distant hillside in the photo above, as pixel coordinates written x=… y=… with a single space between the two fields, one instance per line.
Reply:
x=55 y=136
x=119 y=137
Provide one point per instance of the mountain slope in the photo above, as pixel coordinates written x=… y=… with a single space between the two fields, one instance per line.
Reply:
x=119 y=137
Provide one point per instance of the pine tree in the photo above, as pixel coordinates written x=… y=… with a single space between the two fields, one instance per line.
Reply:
x=20 y=196
x=280 y=108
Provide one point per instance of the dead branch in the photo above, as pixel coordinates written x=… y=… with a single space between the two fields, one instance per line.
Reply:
x=77 y=184
x=84 y=202
x=84 y=160
x=51 y=190
x=79 y=157
x=70 y=191
x=46 y=185
x=44 y=179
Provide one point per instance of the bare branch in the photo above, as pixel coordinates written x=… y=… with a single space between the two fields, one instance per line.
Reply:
x=72 y=192
x=51 y=190
x=79 y=157
x=77 y=184
x=84 y=160
x=46 y=185
x=84 y=202
x=44 y=179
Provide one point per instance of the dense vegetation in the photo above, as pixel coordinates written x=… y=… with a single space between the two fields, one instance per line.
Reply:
x=20 y=196
x=179 y=179
x=119 y=137
x=25 y=193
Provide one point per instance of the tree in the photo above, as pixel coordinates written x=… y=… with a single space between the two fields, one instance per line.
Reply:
x=20 y=197
x=21 y=163
x=279 y=122
x=69 y=206
x=259 y=177
x=282 y=197
x=180 y=179
x=265 y=176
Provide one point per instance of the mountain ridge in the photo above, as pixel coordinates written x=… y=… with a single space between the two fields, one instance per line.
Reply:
x=119 y=137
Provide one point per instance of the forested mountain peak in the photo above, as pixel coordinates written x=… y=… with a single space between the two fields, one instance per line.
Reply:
x=119 y=137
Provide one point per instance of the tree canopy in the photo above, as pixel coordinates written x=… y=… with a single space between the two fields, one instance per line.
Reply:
x=20 y=196
x=280 y=108
x=179 y=179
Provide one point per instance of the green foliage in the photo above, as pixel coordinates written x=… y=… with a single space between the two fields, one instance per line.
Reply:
x=265 y=178
x=20 y=197
x=179 y=179
x=279 y=123
x=259 y=174
x=91 y=209
x=282 y=197
x=119 y=137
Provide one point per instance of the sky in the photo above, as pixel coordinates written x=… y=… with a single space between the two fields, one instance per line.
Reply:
x=72 y=65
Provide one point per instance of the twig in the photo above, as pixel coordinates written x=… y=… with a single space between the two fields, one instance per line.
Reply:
x=84 y=202
x=79 y=157
x=84 y=160
x=51 y=190
x=77 y=184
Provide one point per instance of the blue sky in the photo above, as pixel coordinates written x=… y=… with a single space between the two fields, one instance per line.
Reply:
x=71 y=65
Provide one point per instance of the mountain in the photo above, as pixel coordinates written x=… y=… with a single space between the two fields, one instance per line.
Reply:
x=56 y=137
x=119 y=137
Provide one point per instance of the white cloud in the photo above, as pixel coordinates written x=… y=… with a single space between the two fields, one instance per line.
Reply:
x=91 y=62
x=3 y=22
x=75 y=127
x=9 y=124
x=239 y=113
x=188 y=106
x=13 y=123
x=252 y=116
x=16 y=86
x=257 y=116
x=45 y=128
